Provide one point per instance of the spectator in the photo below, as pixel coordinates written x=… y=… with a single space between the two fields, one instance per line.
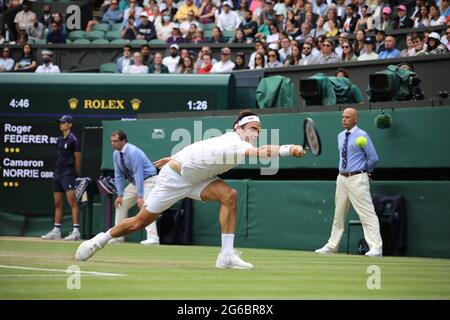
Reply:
x=217 y=36
x=347 y=53
x=176 y=36
x=331 y=16
x=183 y=11
x=403 y=20
x=320 y=7
x=339 y=9
x=225 y=64
x=186 y=24
x=207 y=64
x=228 y=20
x=242 y=9
x=46 y=18
x=274 y=35
x=419 y=45
x=124 y=60
x=285 y=50
x=280 y=19
x=56 y=35
x=24 y=18
x=164 y=31
x=358 y=43
x=415 y=12
x=445 y=9
x=274 y=59
x=292 y=30
x=186 y=66
x=239 y=62
x=26 y=61
x=137 y=66
x=343 y=37
x=342 y=73
x=145 y=29
x=348 y=24
x=317 y=45
x=365 y=23
x=133 y=10
x=146 y=57
x=294 y=58
x=309 y=15
x=260 y=61
x=388 y=24
x=379 y=38
x=306 y=31
x=6 y=62
x=369 y=47
x=390 y=52
x=36 y=30
x=58 y=18
x=199 y=37
x=207 y=12
x=248 y=26
x=446 y=39
x=130 y=31
x=173 y=59
x=422 y=20
x=409 y=51
x=328 y=55
x=200 y=63
x=319 y=30
x=157 y=66
x=239 y=37
x=170 y=8
x=113 y=14
x=268 y=13
x=47 y=65
x=307 y=57
x=332 y=25
x=434 y=44
x=259 y=47
x=435 y=16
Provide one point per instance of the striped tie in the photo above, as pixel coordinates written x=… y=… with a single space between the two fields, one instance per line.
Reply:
x=344 y=151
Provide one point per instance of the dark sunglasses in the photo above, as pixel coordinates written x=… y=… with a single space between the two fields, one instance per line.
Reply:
x=272 y=55
x=327 y=45
x=345 y=47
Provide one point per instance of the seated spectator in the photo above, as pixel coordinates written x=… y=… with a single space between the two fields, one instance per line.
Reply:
x=280 y=19
x=176 y=36
x=199 y=63
x=145 y=28
x=342 y=73
x=164 y=31
x=207 y=11
x=190 y=35
x=294 y=58
x=217 y=36
x=434 y=44
x=264 y=29
x=186 y=24
x=248 y=26
x=157 y=66
x=173 y=59
x=239 y=62
x=36 y=30
x=320 y=7
x=292 y=30
x=46 y=18
x=207 y=64
x=388 y=24
x=146 y=57
x=24 y=18
x=259 y=47
x=133 y=10
x=6 y=62
x=186 y=65
x=419 y=45
x=130 y=31
x=365 y=23
x=403 y=21
x=225 y=64
x=137 y=66
x=273 y=59
x=260 y=61
x=380 y=35
x=318 y=30
x=328 y=55
x=285 y=50
x=56 y=35
x=274 y=35
x=306 y=32
x=315 y=51
x=183 y=11
x=47 y=65
x=369 y=54
x=390 y=51
x=409 y=51
x=358 y=43
x=348 y=23
x=422 y=20
x=446 y=39
x=239 y=37
x=199 y=37
x=228 y=20
x=124 y=60
x=22 y=36
x=332 y=16
x=307 y=57
x=26 y=61
x=332 y=24
x=170 y=8
x=268 y=13
x=347 y=53
x=113 y=14
x=435 y=16
x=343 y=37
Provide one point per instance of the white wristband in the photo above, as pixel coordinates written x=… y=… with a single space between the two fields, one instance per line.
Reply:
x=285 y=150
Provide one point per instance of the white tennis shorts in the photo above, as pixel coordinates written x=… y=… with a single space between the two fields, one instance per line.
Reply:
x=171 y=187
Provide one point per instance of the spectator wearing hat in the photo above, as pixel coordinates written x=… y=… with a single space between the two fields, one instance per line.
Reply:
x=6 y=62
x=369 y=48
x=113 y=14
x=348 y=23
x=225 y=64
x=228 y=20
x=68 y=166
x=47 y=66
x=377 y=13
x=158 y=66
x=390 y=51
x=173 y=59
x=176 y=36
x=137 y=66
x=434 y=44
x=380 y=35
x=24 y=18
x=183 y=11
x=145 y=28
x=403 y=21
x=388 y=24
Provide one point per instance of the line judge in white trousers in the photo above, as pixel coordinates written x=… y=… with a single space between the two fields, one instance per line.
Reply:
x=353 y=186
x=131 y=163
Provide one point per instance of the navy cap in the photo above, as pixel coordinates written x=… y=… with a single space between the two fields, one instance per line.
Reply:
x=65 y=118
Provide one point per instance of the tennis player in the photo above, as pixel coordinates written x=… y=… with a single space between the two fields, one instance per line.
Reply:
x=192 y=173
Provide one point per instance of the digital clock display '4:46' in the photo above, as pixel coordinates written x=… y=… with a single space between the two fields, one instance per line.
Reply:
x=19 y=103
x=197 y=105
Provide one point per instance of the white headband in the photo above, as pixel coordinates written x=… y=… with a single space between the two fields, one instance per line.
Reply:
x=246 y=120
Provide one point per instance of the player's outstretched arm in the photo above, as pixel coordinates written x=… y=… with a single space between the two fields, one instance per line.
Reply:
x=271 y=151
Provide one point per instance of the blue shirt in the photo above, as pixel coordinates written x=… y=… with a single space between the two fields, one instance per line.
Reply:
x=386 y=54
x=357 y=158
x=65 y=162
x=137 y=163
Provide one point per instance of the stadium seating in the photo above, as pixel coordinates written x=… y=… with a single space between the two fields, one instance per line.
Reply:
x=77 y=34
x=112 y=35
x=105 y=27
x=108 y=67
x=93 y=35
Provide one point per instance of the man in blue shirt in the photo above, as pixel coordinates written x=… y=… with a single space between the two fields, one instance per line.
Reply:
x=68 y=165
x=352 y=186
x=390 y=51
x=131 y=163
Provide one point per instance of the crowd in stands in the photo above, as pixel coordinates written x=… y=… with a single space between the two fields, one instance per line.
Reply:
x=283 y=32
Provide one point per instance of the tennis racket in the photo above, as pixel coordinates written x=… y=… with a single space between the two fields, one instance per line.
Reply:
x=311 y=137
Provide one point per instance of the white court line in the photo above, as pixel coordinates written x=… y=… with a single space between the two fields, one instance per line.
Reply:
x=65 y=271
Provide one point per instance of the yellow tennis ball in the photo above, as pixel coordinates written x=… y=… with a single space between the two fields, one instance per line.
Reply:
x=361 y=141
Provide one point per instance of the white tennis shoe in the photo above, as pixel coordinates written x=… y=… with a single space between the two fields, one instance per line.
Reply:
x=232 y=260
x=374 y=253
x=151 y=241
x=325 y=250
x=73 y=236
x=88 y=248
x=52 y=235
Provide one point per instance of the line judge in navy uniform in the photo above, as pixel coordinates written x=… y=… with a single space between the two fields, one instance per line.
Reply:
x=68 y=165
x=353 y=187
x=131 y=163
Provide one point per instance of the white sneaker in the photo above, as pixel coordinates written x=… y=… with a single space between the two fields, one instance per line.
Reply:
x=325 y=250
x=52 y=235
x=151 y=241
x=374 y=253
x=73 y=236
x=88 y=248
x=232 y=260
x=116 y=240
